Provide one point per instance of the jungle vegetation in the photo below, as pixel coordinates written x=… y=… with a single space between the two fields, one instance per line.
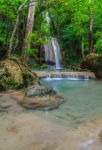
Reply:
x=77 y=24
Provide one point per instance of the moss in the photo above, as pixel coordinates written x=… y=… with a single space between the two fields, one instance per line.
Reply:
x=44 y=66
x=15 y=74
x=93 y=62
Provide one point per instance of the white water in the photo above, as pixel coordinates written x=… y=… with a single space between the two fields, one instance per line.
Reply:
x=67 y=78
x=56 y=52
x=47 y=18
x=52 y=52
x=52 y=49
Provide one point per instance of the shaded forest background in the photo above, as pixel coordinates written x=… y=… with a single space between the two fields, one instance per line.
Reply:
x=76 y=24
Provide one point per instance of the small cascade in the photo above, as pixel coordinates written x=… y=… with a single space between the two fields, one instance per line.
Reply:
x=56 y=52
x=47 y=18
x=52 y=52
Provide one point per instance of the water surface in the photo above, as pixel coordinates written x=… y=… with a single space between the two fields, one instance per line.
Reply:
x=70 y=127
x=83 y=102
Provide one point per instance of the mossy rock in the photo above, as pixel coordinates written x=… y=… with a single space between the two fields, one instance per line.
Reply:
x=47 y=101
x=15 y=74
x=93 y=62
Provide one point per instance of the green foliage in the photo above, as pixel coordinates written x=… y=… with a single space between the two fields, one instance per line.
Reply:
x=69 y=22
x=44 y=66
x=33 y=64
x=8 y=13
x=30 y=52
x=37 y=40
x=98 y=45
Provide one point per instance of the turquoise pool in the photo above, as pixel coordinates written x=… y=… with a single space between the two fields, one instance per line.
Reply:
x=83 y=102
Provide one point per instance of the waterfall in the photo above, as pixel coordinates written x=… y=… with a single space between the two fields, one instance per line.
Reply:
x=47 y=18
x=56 y=52
x=52 y=52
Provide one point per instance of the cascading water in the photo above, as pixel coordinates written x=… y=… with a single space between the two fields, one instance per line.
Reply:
x=47 y=18
x=56 y=52
x=52 y=50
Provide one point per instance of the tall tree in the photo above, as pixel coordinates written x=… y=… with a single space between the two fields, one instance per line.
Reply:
x=91 y=39
x=15 y=27
x=30 y=24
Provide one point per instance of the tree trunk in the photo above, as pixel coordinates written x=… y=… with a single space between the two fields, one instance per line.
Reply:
x=29 y=26
x=91 y=39
x=15 y=28
x=82 y=48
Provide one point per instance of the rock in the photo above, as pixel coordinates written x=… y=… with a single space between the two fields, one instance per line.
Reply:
x=45 y=100
x=3 y=110
x=15 y=74
x=43 y=103
x=39 y=91
x=5 y=105
x=93 y=62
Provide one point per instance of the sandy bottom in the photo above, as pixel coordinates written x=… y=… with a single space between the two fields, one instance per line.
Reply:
x=21 y=129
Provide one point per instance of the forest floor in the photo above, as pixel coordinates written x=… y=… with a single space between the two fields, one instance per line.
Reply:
x=22 y=129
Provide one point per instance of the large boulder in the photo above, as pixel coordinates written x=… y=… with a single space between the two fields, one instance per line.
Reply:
x=93 y=62
x=39 y=91
x=15 y=74
x=38 y=97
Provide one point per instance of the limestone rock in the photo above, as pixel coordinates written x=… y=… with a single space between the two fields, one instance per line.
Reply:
x=47 y=101
x=39 y=91
x=15 y=74
x=43 y=103
x=93 y=62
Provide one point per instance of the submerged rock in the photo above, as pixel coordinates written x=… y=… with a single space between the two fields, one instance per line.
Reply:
x=43 y=103
x=93 y=62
